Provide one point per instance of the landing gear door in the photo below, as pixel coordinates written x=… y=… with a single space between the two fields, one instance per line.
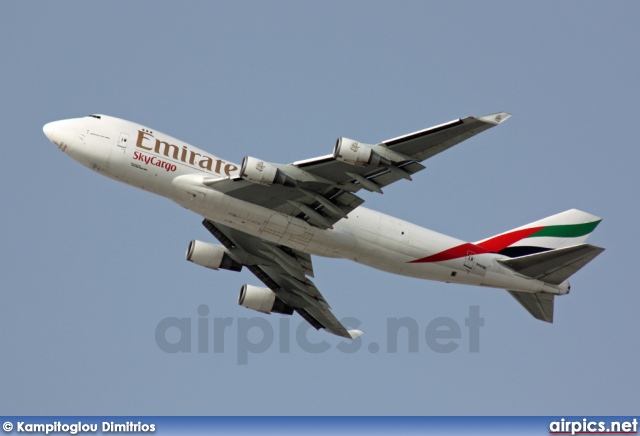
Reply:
x=123 y=141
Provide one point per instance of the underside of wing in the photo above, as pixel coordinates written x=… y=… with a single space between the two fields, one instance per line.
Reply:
x=284 y=271
x=321 y=204
x=323 y=190
x=404 y=152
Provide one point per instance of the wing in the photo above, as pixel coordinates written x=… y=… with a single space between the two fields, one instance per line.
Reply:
x=323 y=190
x=284 y=271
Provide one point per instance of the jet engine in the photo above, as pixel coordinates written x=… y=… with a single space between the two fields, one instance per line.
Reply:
x=263 y=173
x=357 y=153
x=211 y=256
x=263 y=300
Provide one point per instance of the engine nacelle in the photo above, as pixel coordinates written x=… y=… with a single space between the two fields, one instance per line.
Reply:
x=263 y=300
x=211 y=256
x=263 y=173
x=356 y=153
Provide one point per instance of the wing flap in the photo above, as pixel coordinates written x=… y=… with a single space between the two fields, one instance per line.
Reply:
x=554 y=266
x=284 y=199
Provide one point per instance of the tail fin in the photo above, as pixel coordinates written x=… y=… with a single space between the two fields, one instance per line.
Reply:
x=565 y=229
x=550 y=250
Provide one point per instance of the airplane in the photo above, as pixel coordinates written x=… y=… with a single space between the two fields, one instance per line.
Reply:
x=271 y=218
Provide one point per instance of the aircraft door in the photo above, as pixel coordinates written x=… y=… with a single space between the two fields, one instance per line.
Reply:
x=123 y=141
x=469 y=260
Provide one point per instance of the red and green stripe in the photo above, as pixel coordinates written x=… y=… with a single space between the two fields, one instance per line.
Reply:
x=502 y=243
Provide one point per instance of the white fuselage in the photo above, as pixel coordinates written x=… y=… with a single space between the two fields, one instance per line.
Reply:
x=155 y=162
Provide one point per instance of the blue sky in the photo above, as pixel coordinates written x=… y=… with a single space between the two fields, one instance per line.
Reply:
x=92 y=267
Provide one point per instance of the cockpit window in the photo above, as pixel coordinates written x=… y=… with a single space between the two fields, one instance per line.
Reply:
x=95 y=116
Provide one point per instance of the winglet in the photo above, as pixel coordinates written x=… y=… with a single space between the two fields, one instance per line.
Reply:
x=496 y=118
x=355 y=333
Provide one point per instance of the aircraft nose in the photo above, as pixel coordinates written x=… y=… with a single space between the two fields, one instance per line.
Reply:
x=62 y=133
x=49 y=130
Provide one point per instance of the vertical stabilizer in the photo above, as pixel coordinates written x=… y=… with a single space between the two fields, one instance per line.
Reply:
x=565 y=229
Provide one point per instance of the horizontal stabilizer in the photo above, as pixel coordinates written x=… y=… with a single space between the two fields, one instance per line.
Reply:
x=539 y=305
x=554 y=266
